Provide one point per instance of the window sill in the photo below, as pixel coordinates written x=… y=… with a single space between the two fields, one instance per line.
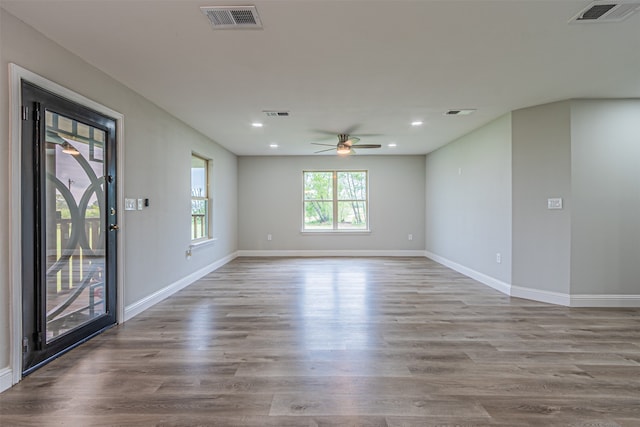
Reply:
x=202 y=243
x=335 y=232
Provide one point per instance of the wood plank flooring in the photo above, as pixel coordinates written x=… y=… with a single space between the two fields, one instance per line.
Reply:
x=344 y=342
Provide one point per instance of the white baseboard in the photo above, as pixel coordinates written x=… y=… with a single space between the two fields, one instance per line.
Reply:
x=330 y=253
x=605 y=300
x=6 y=375
x=506 y=288
x=492 y=282
x=550 y=297
x=558 y=298
x=138 y=307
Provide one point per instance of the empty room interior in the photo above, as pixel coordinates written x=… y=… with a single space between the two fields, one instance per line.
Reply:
x=320 y=213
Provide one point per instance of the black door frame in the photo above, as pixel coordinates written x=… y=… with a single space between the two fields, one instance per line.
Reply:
x=36 y=102
x=18 y=74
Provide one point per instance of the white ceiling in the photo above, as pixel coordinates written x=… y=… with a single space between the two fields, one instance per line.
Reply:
x=368 y=66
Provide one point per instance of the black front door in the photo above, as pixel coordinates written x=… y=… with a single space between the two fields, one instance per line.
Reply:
x=69 y=225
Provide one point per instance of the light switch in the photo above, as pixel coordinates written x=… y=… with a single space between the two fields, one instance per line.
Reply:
x=129 y=204
x=140 y=204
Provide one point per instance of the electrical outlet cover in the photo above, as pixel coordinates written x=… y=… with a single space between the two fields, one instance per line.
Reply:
x=555 y=203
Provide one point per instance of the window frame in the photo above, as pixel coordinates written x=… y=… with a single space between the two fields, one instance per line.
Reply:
x=208 y=198
x=335 y=203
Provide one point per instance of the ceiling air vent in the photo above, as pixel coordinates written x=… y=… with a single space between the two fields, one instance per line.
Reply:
x=270 y=113
x=232 y=17
x=607 y=11
x=459 y=112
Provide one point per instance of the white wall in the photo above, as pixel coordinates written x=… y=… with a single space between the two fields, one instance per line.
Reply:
x=468 y=200
x=270 y=191
x=156 y=165
x=605 y=212
x=541 y=170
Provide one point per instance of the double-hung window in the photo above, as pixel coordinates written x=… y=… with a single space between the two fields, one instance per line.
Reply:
x=335 y=201
x=200 y=199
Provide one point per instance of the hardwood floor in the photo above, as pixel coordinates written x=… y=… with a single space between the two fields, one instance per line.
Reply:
x=344 y=342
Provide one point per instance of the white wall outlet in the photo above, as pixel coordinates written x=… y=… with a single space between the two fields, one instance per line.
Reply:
x=554 y=203
x=269 y=237
x=499 y=258
x=140 y=204
x=129 y=204
x=410 y=237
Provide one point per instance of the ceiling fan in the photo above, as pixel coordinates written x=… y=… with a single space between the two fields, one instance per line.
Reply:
x=345 y=145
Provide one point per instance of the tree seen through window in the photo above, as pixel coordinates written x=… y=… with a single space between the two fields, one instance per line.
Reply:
x=335 y=200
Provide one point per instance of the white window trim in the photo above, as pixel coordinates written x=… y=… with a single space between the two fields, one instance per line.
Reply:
x=16 y=75
x=208 y=239
x=336 y=231
x=202 y=243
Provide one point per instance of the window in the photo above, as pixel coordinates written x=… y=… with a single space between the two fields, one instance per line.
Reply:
x=200 y=212
x=335 y=200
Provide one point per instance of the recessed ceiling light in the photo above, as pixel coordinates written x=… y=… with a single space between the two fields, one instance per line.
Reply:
x=273 y=145
x=256 y=125
x=392 y=145
x=416 y=123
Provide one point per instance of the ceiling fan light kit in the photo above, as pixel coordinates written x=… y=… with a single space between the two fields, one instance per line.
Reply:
x=344 y=149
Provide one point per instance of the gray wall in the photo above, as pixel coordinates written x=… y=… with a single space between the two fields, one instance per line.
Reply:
x=270 y=202
x=584 y=151
x=468 y=200
x=541 y=169
x=156 y=162
x=605 y=207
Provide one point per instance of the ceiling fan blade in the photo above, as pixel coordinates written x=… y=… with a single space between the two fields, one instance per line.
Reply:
x=348 y=131
x=322 y=139
x=351 y=141
x=322 y=151
x=369 y=134
x=368 y=146
x=325 y=132
x=326 y=145
x=351 y=129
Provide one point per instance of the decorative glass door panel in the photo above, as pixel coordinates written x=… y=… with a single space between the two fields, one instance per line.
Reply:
x=69 y=225
x=75 y=215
